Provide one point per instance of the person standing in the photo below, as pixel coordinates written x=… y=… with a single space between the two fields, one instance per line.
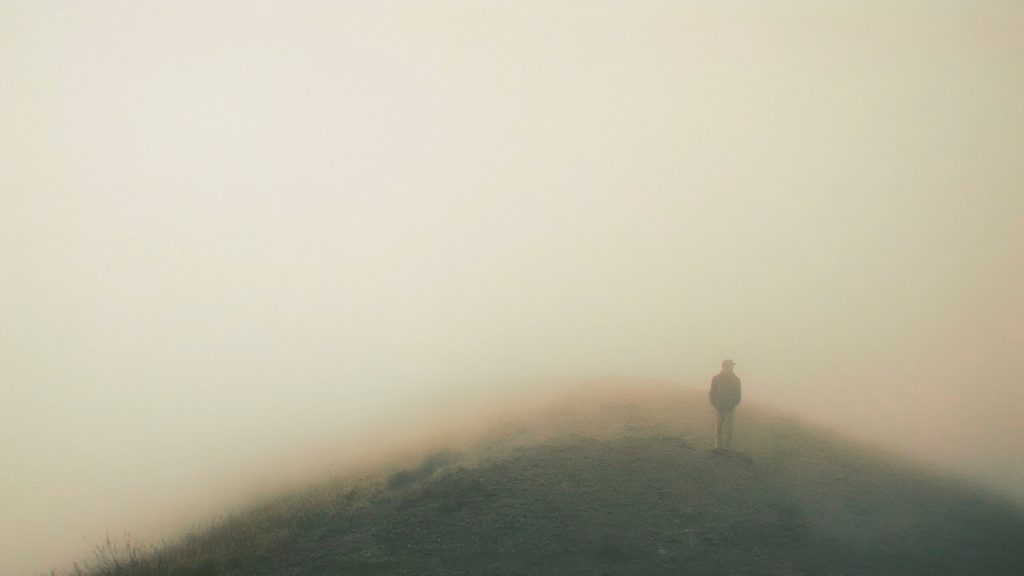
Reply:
x=725 y=395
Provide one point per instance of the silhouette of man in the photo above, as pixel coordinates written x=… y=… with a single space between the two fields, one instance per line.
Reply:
x=725 y=395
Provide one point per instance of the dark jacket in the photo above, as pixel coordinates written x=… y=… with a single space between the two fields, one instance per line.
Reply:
x=725 y=391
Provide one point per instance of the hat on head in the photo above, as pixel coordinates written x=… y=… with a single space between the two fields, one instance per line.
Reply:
x=728 y=362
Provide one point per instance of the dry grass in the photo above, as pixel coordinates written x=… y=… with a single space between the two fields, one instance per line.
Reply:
x=614 y=480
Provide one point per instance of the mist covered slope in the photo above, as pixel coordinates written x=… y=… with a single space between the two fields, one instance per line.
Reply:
x=620 y=481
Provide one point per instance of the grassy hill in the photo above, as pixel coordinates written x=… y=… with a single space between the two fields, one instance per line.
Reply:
x=620 y=481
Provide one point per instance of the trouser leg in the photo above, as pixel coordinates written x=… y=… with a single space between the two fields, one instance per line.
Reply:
x=719 y=426
x=727 y=421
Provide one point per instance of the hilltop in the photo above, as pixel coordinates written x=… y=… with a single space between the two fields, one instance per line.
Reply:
x=619 y=481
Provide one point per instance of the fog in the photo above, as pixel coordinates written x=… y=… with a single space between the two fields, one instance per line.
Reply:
x=236 y=235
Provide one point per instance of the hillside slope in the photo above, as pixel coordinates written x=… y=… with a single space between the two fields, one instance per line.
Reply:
x=622 y=482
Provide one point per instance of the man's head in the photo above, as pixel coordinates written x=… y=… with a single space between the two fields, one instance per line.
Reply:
x=727 y=365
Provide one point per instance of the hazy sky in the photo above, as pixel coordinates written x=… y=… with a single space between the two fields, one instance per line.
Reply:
x=229 y=229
